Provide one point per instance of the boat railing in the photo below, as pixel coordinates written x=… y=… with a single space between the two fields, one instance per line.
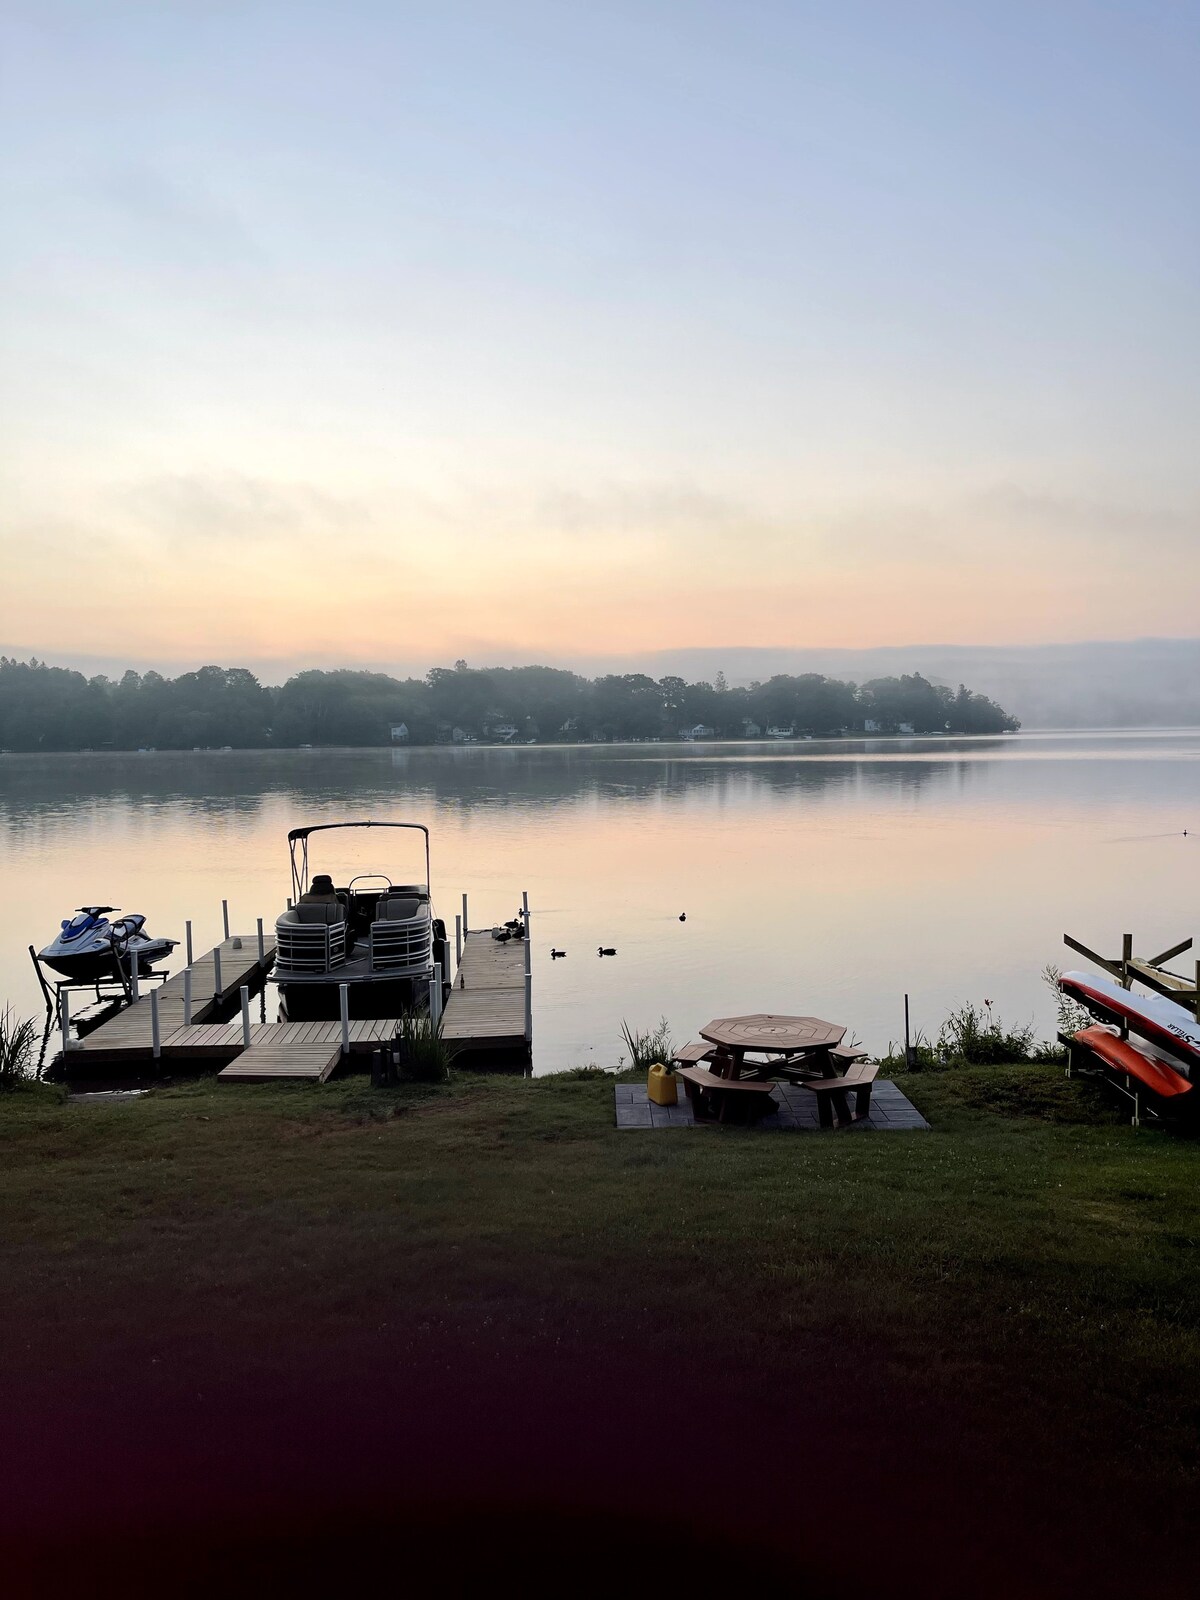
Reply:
x=310 y=939
x=402 y=935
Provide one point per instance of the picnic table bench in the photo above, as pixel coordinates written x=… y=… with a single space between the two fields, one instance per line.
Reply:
x=715 y=1091
x=833 y=1094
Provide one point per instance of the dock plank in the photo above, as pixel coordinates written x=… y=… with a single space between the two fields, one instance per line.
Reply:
x=486 y=1007
x=269 y=1060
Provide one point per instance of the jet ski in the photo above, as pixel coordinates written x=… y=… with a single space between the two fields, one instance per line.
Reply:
x=89 y=948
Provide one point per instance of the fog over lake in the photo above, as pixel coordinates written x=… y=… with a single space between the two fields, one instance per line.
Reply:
x=826 y=878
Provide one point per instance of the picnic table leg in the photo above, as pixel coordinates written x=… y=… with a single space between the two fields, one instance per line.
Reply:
x=841 y=1105
x=824 y=1110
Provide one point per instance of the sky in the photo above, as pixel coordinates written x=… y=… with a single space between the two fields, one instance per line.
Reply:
x=389 y=334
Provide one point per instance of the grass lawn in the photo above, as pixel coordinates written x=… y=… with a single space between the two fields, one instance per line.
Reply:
x=251 y=1331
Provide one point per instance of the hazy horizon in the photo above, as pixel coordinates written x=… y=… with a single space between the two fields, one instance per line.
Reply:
x=1098 y=683
x=569 y=333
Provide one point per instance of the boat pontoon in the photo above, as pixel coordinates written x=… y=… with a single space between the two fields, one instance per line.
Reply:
x=378 y=938
x=91 y=949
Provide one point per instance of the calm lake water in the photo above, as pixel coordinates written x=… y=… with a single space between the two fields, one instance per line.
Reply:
x=825 y=878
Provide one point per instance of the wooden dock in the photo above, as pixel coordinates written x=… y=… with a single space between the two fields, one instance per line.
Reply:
x=486 y=1007
x=296 y=1049
x=128 y=1034
x=485 y=1012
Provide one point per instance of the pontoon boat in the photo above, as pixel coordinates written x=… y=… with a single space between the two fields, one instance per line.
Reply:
x=377 y=937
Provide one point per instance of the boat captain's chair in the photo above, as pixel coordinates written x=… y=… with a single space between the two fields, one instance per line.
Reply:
x=402 y=933
x=311 y=937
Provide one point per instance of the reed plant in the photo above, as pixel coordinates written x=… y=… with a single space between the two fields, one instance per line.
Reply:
x=424 y=1055
x=17 y=1039
x=649 y=1048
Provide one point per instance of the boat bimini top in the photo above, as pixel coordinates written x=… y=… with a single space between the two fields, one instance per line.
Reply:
x=370 y=931
x=298 y=846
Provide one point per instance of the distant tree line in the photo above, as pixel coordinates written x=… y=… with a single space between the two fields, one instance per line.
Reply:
x=55 y=708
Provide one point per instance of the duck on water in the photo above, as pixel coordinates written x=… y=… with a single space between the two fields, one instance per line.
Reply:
x=376 y=936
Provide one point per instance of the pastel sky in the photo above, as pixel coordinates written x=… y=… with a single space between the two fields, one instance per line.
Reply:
x=390 y=333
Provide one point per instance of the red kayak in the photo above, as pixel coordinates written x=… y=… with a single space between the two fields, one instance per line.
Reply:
x=1122 y=1056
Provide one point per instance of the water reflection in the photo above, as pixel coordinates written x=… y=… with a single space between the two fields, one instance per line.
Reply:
x=828 y=877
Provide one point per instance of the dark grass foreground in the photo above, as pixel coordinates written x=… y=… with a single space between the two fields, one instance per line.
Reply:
x=268 y=1339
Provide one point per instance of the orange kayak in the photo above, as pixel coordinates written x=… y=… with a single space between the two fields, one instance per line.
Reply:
x=1124 y=1057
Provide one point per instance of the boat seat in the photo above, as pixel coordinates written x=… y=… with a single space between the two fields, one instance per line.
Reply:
x=397 y=908
x=318 y=911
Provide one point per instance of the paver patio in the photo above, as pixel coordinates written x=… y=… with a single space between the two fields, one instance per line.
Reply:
x=890 y=1110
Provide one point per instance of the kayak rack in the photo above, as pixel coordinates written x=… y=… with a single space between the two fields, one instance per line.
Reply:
x=1128 y=969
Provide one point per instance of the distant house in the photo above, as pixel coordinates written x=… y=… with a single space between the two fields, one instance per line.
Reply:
x=750 y=730
x=504 y=730
x=905 y=727
x=399 y=732
x=870 y=725
x=781 y=733
x=461 y=736
x=700 y=731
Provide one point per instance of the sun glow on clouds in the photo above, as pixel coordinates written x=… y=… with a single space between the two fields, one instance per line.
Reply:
x=574 y=336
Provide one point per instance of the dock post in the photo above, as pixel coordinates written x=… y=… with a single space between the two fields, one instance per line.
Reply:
x=466 y=924
x=64 y=1001
x=458 y=942
x=155 y=1033
x=435 y=997
x=187 y=997
x=133 y=976
x=225 y=916
x=528 y=992
x=1126 y=958
x=187 y=930
x=245 y=1017
x=262 y=945
x=344 y=1004
x=217 y=972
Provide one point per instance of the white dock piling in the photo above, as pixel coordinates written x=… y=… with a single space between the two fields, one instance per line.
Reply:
x=187 y=933
x=262 y=945
x=217 y=972
x=155 y=1033
x=187 y=997
x=133 y=977
x=225 y=916
x=344 y=1003
x=458 y=941
x=64 y=1006
x=435 y=997
x=528 y=992
x=245 y=1017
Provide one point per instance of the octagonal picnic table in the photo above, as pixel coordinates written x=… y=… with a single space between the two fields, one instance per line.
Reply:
x=797 y=1039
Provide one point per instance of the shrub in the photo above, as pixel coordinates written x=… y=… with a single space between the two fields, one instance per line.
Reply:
x=972 y=1036
x=647 y=1048
x=1071 y=1015
x=976 y=1038
x=16 y=1050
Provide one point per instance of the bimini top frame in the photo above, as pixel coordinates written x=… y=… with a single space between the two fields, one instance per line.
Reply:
x=298 y=846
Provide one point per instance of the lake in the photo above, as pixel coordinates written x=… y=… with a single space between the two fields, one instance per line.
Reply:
x=822 y=877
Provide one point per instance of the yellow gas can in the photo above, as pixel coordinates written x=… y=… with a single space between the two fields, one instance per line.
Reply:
x=660 y=1085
